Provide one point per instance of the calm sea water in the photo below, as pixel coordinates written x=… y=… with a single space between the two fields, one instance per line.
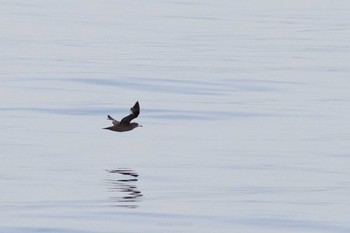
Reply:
x=244 y=106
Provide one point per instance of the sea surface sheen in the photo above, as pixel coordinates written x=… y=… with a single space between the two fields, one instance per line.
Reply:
x=245 y=110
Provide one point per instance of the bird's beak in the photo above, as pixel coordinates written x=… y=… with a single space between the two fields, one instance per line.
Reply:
x=140 y=126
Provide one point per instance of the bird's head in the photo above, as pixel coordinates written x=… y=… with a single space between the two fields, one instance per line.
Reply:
x=135 y=125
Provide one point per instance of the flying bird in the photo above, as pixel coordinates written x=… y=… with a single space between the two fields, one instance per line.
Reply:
x=125 y=124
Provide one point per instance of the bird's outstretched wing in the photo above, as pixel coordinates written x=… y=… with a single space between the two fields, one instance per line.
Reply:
x=114 y=121
x=135 y=111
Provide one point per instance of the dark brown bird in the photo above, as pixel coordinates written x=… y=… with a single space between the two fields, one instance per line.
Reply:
x=124 y=124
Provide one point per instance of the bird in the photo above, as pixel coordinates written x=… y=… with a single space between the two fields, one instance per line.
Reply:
x=125 y=124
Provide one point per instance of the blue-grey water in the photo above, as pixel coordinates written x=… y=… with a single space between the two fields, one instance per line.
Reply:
x=244 y=104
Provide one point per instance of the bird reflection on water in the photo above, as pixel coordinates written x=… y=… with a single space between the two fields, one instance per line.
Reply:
x=125 y=188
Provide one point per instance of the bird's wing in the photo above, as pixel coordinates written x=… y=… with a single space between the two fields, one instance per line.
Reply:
x=114 y=121
x=135 y=111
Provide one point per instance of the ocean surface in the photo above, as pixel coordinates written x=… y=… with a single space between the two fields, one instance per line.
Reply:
x=245 y=110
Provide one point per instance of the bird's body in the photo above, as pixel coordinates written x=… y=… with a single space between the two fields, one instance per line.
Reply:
x=125 y=124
